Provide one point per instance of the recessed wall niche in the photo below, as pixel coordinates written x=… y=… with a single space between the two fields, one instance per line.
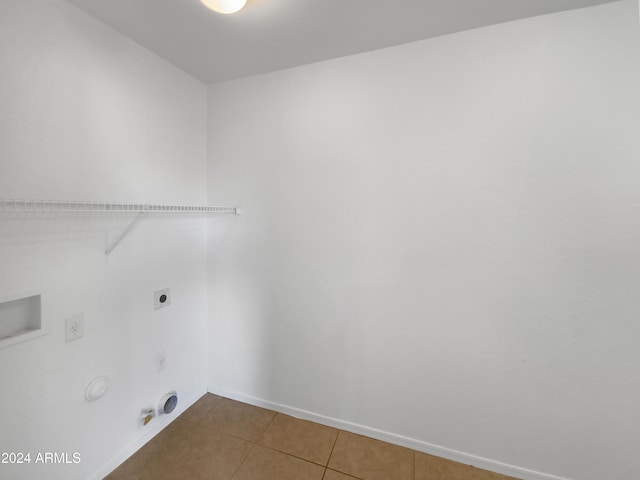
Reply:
x=20 y=319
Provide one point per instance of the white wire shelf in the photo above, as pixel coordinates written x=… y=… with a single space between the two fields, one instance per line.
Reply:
x=46 y=206
x=19 y=205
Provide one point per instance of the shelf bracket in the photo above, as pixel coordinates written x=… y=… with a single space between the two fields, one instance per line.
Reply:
x=124 y=234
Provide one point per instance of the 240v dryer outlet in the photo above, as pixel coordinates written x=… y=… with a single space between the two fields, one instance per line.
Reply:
x=162 y=298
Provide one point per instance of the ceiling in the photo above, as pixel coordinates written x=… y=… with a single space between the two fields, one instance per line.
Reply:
x=269 y=35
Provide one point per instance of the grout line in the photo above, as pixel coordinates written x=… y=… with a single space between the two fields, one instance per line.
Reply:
x=344 y=474
x=209 y=411
x=216 y=430
x=291 y=455
x=333 y=448
x=244 y=459
x=267 y=427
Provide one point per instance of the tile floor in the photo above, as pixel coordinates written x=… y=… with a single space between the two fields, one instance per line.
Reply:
x=221 y=439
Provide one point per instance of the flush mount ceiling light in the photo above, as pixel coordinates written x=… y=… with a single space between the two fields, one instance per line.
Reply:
x=224 y=6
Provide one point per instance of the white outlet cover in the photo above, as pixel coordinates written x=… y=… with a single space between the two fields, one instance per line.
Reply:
x=74 y=328
x=162 y=298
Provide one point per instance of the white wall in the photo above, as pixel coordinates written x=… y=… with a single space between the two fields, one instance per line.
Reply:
x=87 y=114
x=441 y=242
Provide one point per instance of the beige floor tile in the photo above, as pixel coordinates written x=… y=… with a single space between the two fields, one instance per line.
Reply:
x=371 y=459
x=151 y=459
x=429 y=467
x=333 y=475
x=199 y=410
x=300 y=438
x=266 y=464
x=185 y=450
x=207 y=455
x=239 y=419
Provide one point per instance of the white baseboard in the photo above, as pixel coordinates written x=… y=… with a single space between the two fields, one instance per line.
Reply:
x=431 y=449
x=164 y=422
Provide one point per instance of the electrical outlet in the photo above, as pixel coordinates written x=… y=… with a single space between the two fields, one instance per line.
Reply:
x=162 y=298
x=161 y=361
x=74 y=328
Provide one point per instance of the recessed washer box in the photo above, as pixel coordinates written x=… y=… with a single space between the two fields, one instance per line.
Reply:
x=20 y=319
